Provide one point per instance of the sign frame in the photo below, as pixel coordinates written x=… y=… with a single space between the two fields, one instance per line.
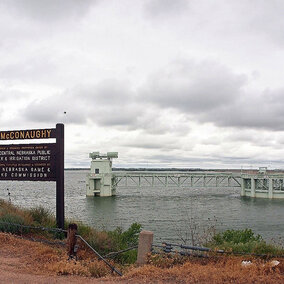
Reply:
x=57 y=160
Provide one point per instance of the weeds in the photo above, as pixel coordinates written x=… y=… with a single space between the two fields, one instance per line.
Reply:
x=42 y=217
x=166 y=260
x=102 y=241
x=193 y=234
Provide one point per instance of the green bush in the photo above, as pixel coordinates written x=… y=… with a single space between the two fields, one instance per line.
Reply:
x=243 y=241
x=7 y=219
x=83 y=230
x=236 y=237
x=127 y=238
x=105 y=242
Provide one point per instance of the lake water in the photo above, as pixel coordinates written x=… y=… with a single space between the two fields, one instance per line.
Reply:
x=170 y=213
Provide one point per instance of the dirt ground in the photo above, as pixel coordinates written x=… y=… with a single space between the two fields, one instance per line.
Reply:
x=18 y=259
x=24 y=261
x=13 y=270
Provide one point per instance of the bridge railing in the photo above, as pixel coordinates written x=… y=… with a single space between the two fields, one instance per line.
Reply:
x=185 y=180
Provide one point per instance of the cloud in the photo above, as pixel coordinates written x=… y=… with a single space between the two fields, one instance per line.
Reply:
x=259 y=111
x=210 y=92
x=112 y=115
x=186 y=91
x=265 y=18
x=156 y=8
x=109 y=92
x=51 y=110
x=38 y=66
x=194 y=87
x=109 y=103
x=153 y=142
x=9 y=94
x=204 y=107
x=48 y=11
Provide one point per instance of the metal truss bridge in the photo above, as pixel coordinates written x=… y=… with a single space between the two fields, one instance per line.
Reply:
x=103 y=181
x=175 y=179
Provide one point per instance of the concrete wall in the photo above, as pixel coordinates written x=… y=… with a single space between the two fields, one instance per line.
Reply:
x=100 y=179
x=262 y=187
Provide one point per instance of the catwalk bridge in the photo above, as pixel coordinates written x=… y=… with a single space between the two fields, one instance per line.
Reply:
x=102 y=181
x=175 y=179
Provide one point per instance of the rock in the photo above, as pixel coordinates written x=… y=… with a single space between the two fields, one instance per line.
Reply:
x=246 y=263
x=274 y=263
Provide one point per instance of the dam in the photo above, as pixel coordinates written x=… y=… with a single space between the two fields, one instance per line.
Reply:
x=103 y=181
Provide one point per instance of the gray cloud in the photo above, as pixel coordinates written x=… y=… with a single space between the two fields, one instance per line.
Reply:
x=190 y=112
x=253 y=137
x=171 y=160
x=210 y=92
x=156 y=8
x=116 y=115
x=154 y=142
x=147 y=145
x=10 y=95
x=48 y=10
x=262 y=110
x=109 y=92
x=194 y=88
x=204 y=92
x=27 y=69
x=261 y=17
x=108 y=103
x=51 y=110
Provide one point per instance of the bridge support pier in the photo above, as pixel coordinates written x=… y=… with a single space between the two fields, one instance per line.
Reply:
x=252 y=189
x=243 y=189
x=262 y=186
x=270 y=188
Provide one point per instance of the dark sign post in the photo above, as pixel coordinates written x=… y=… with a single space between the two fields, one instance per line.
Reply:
x=36 y=162
x=60 y=176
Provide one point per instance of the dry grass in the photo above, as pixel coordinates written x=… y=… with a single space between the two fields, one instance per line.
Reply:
x=221 y=270
x=38 y=258
x=9 y=209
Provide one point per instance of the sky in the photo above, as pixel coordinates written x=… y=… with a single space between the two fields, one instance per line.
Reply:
x=165 y=83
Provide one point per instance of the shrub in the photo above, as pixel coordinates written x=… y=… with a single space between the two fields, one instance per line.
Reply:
x=42 y=217
x=124 y=239
x=243 y=241
x=236 y=237
x=83 y=229
x=7 y=219
x=112 y=241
